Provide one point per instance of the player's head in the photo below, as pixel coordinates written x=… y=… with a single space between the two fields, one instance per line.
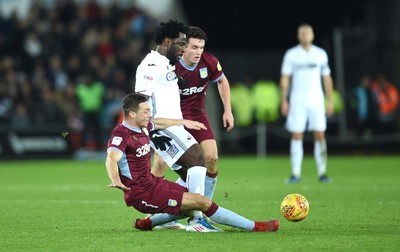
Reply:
x=136 y=109
x=196 y=40
x=170 y=36
x=305 y=34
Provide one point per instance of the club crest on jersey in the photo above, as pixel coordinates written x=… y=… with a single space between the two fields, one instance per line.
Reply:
x=219 y=67
x=171 y=76
x=203 y=72
x=172 y=150
x=172 y=203
x=116 y=140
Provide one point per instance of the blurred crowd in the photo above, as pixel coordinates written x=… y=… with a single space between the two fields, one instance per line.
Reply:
x=374 y=105
x=70 y=64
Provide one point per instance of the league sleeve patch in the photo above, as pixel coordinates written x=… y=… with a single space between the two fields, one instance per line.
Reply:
x=219 y=67
x=116 y=140
x=172 y=203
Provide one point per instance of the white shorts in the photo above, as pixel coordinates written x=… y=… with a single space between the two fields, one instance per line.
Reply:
x=301 y=118
x=181 y=141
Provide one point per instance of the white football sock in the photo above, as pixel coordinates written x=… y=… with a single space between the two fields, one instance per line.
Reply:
x=227 y=217
x=195 y=180
x=210 y=184
x=296 y=156
x=320 y=155
x=162 y=218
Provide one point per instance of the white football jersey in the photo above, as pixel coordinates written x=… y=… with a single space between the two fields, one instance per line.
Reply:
x=306 y=69
x=155 y=77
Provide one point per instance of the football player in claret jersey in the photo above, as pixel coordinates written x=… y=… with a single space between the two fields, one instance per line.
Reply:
x=128 y=168
x=196 y=70
x=303 y=67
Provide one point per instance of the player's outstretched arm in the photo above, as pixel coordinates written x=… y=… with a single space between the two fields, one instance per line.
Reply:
x=112 y=159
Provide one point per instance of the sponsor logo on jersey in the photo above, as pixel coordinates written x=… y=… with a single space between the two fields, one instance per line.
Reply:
x=134 y=138
x=171 y=76
x=172 y=151
x=148 y=77
x=148 y=204
x=203 y=72
x=172 y=203
x=191 y=90
x=310 y=65
x=116 y=140
x=219 y=67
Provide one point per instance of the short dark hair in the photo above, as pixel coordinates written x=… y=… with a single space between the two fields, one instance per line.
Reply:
x=131 y=102
x=169 y=29
x=196 y=32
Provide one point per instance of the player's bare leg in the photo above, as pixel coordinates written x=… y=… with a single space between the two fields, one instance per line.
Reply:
x=320 y=155
x=210 y=152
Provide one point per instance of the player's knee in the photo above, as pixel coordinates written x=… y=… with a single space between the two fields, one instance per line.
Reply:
x=319 y=135
x=297 y=136
x=212 y=162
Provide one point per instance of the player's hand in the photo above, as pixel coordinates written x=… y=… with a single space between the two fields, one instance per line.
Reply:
x=329 y=109
x=285 y=107
x=118 y=185
x=194 y=125
x=160 y=141
x=228 y=121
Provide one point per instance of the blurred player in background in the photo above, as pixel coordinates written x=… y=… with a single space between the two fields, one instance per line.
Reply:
x=128 y=168
x=302 y=68
x=195 y=70
x=156 y=79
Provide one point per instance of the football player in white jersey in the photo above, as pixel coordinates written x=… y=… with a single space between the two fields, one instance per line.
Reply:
x=156 y=79
x=303 y=99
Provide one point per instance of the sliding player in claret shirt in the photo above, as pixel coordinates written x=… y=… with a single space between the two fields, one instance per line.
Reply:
x=128 y=168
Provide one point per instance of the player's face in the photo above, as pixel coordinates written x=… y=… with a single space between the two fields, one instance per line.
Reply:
x=193 y=51
x=143 y=114
x=176 y=48
x=305 y=35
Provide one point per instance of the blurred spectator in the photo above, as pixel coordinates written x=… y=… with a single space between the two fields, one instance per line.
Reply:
x=387 y=98
x=32 y=45
x=6 y=103
x=74 y=67
x=112 y=107
x=90 y=97
x=58 y=76
x=67 y=100
x=364 y=105
x=19 y=117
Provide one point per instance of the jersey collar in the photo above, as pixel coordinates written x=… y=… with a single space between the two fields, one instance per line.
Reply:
x=190 y=68
x=131 y=128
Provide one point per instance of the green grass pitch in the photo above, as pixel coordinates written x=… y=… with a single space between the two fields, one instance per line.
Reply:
x=64 y=205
